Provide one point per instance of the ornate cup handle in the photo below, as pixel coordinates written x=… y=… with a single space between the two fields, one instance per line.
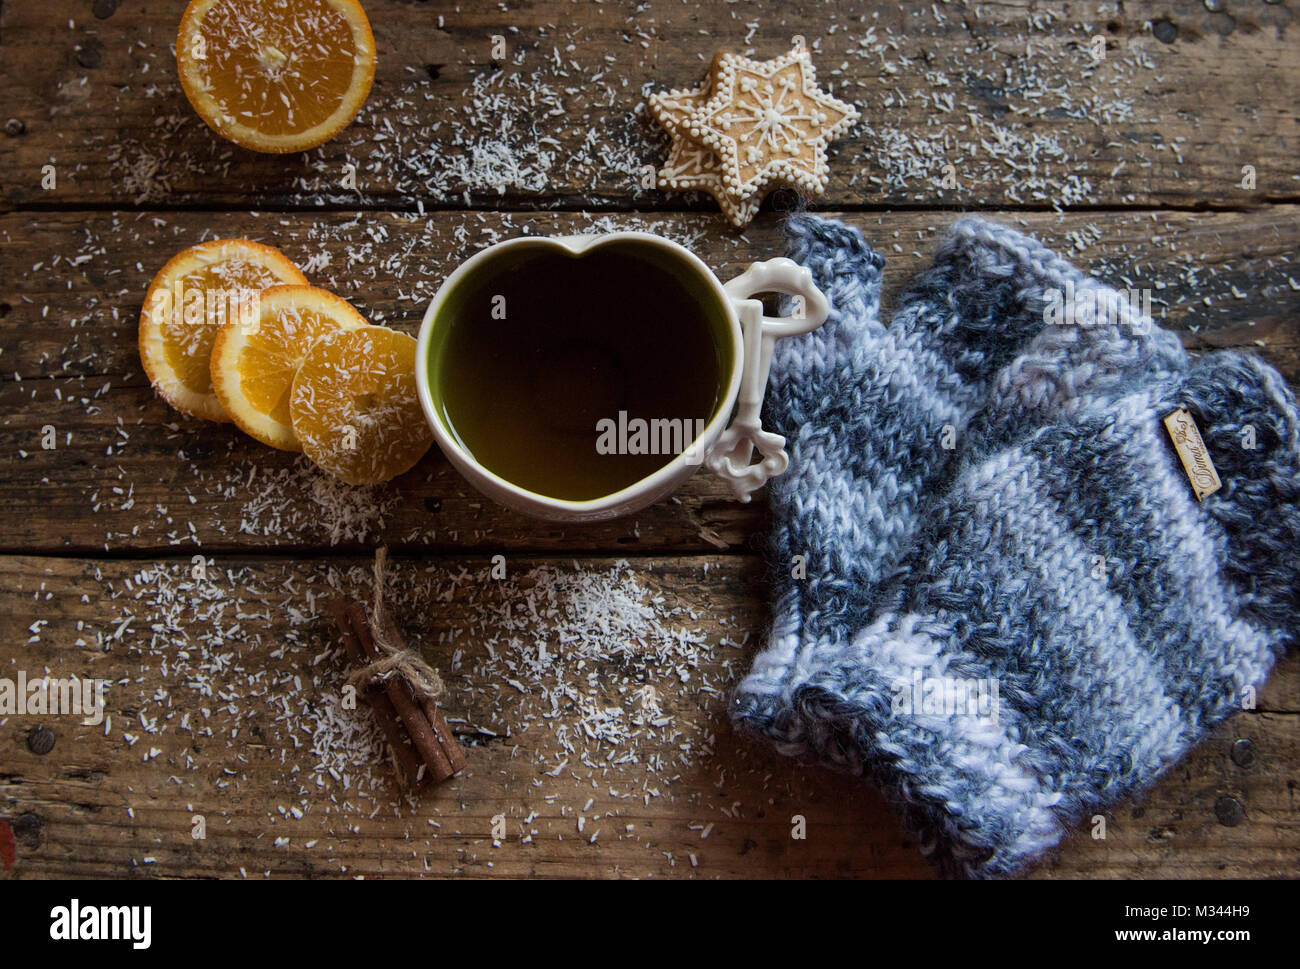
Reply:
x=731 y=454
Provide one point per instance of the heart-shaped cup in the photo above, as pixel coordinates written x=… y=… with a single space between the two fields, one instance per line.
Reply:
x=650 y=285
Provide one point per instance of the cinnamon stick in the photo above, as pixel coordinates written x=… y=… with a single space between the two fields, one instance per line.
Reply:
x=446 y=739
x=442 y=733
x=418 y=726
x=408 y=764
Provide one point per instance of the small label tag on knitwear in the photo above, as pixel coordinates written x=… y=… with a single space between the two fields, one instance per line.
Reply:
x=1193 y=453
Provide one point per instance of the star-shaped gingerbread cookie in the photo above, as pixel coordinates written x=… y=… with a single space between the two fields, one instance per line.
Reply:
x=750 y=126
x=768 y=123
x=690 y=165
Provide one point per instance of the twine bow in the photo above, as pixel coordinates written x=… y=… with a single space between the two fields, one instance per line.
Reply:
x=406 y=663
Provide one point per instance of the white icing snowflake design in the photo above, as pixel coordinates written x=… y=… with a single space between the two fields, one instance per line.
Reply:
x=778 y=122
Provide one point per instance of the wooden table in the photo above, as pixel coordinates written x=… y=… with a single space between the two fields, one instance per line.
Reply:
x=189 y=566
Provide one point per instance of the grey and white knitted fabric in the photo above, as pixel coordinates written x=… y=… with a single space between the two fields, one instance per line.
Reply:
x=891 y=403
x=1047 y=618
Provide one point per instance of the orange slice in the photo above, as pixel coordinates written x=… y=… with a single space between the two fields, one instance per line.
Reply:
x=355 y=407
x=276 y=75
x=253 y=366
x=188 y=301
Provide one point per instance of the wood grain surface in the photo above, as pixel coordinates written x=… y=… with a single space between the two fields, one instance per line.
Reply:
x=188 y=566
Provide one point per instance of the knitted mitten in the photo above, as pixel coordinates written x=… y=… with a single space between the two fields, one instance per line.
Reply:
x=875 y=417
x=869 y=503
x=862 y=406
x=1071 y=619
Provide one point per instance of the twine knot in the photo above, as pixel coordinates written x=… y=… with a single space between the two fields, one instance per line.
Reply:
x=406 y=663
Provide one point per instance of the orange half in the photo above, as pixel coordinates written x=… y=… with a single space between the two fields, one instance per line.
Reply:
x=276 y=75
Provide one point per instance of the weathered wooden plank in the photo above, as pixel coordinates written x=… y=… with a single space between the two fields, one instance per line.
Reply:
x=122 y=486
x=221 y=681
x=129 y=473
x=1227 y=811
x=1012 y=95
x=71 y=284
x=118 y=481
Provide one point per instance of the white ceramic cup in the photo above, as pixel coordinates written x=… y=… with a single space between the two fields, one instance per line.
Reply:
x=726 y=444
